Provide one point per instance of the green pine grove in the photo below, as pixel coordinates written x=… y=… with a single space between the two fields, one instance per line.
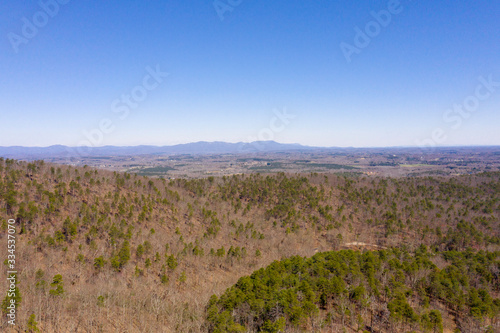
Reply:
x=387 y=290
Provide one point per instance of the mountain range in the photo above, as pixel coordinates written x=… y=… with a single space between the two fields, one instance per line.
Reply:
x=217 y=147
x=201 y=147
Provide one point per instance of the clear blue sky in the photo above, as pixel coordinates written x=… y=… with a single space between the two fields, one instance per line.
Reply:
x=227 y=78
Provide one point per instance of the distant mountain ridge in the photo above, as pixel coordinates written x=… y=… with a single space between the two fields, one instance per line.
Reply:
x=207 y=148
x=202 y=147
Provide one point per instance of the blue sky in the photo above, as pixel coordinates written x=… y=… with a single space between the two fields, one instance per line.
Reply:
x=228 y=78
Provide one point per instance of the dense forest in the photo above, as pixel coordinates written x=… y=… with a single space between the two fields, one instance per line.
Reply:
x=389 y=290
x=102 y=251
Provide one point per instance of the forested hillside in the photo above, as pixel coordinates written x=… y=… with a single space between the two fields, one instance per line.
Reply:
x=106 y=251
x=389 y=290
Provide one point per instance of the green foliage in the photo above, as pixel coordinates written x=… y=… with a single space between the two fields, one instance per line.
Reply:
x=140 y=251
x=147 y=247
x=220 y=252
x=80 y=258
x=432 y=321
x=172 y=262
x=138 y=272
x=57 y=285
x=100 y=300
x=40 y=284
x=164 y=279
x=13 y=297
x=32 y=324
x=59 y=237
x=122 y=257
x=198 y=251
x=401 y=310
x=39 y=274
x=69 y=229
x=294 y=290
x=99 y=262
x=274 y=327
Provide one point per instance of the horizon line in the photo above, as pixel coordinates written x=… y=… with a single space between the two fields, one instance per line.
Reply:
x=253 y=142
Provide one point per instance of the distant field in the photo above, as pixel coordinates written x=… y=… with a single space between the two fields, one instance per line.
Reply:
x=154 y=171
x=414 y=165
x=251 y=159
x=270 y=166
x=373 y=162
x=302 y=165
x=329 y=166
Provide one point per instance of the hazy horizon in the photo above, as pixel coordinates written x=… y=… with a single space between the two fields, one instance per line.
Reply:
x=242 y=142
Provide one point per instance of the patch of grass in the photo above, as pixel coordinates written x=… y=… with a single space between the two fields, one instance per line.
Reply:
x=154 y=171
x=413 y=165
x=269 y=166
x=384 y=164
x=329 y=166
x=251 y=159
